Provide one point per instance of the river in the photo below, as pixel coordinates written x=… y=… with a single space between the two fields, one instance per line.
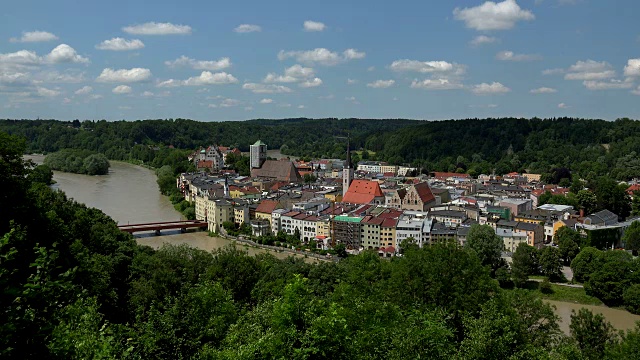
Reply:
x=129 y=194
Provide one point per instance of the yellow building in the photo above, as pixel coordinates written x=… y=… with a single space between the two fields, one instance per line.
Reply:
x=264 y=210
x=241 y=214
x=389 y=169
x=323 y=228
x=388 y=233
x=334 y=196
x=201 y=207
x=218 y=211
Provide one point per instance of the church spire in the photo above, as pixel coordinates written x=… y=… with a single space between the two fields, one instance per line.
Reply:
x=347 y=164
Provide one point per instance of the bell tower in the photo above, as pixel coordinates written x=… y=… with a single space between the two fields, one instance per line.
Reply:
x=347 y=171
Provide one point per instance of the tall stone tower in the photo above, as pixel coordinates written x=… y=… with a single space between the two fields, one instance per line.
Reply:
x=258 y=154
x=347 y=171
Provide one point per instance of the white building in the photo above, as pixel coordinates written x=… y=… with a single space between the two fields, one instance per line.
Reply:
x=258 y=154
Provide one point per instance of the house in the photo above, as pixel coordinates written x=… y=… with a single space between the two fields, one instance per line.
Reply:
x=265 y=208
x=388 y=233
x=633 y=188
x=516 y=205
x=218 y=211
x=277 y=170
x=347 y=230
x=448 y=217
x=364 y=192
x=416 y=197
x=371 y=232
x=601 y=218
x=444 y=176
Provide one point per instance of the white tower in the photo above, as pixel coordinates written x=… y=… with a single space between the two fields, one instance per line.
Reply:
x=347 y=171
x=258 y=154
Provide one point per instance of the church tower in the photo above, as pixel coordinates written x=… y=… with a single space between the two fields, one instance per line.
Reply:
x=347 y=171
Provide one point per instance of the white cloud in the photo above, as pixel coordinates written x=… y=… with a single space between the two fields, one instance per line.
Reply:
x=490 y=89
x=209 y=78
x=19 y=59
x=511 y=56
x=285 y=105
x=64 y=53
x=436 y=84
x=247 y=28
x=120 y=44
x=493 y=16
x=353 y=54
x=44 y=92
x=608 y=85
x=313 y=26
x=482 y=40
x=266 y=101
x=320 y=55
x=266 y=89
x=35 y=36
x=124 y=75
x=153 y=28
x=229 y=103
x=427 y=67
x=95 y=97
x=381 y=84
x=147 y=94
x=543 y=90
x=352 y=99
x=371 y=68
x=169 y=83
x=121 y=89
x=220 y=64
x=300 y=106
x=84 y=90
x=633 y=68
x=590 y=70
x=292 y=74
x=15 y=78
x=563 y=106
x=553 y=71
x=636 y=91
x=311 y=83
x=53 y=76
x=248 y=108
x=351 y=81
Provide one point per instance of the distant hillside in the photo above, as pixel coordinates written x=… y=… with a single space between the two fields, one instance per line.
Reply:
x=589 y=148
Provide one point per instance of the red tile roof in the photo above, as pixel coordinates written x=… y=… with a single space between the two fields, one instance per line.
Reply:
x=632 y=188
x=267 y=206
x=362 y=192
x=205 y=164
x=424 y=191
x=389 y=223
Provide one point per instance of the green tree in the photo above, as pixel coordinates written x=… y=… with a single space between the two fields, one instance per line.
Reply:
x=635 y=203
x=41 y=174
x=631 y=237
x=609 y=282
x=482 y=239
x=96 y=164
x=341 y=250
x=592 y=333
x=587 y=201
x=631 y=298
x=568 y=241
x=585 y=263
x=550 y=262
x=524 y=263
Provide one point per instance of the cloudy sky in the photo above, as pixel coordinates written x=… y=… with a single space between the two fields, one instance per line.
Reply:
x=216 y=61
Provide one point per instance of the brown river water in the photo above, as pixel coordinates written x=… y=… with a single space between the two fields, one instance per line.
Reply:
x=129 y=194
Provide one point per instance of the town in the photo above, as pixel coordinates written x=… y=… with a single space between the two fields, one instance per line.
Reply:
x=377 y=206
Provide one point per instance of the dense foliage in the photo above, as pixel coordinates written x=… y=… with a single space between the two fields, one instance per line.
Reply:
x=78 y=161
x=588 y=148
x=73 y=286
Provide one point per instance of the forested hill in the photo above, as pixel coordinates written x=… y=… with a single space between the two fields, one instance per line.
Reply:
x=589 y=148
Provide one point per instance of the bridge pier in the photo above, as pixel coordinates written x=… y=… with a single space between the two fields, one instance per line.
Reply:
x=157 y=232
x=183 y=230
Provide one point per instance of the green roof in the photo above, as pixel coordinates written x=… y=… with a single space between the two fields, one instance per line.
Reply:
x=259 y=142
x=348 y=219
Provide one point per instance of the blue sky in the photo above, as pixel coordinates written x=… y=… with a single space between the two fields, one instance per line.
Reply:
x=215 y=61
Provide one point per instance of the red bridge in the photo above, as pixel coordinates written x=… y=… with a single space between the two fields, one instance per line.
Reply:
x=183 y=225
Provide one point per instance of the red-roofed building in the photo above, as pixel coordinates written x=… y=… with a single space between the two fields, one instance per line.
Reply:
x=205 y=164
x=632 y=188
x=364 y=192
x=418 y=197
x=265 y=208
x=446 y=175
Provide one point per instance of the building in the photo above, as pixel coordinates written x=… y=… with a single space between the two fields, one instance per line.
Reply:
x=371 y=232
x=388 y=233
x=264 y=210
x=257 y=154
x=516 y=205
x=448 y=217
x=347 y=230
x=601 y=218
x=347 y=172
x=277 y=170
x=418 y=197
x=218 y=211
x=364 y=192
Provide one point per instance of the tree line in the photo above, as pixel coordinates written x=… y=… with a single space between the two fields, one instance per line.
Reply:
x=74 y=287
x=78 y=161
x=588 y=148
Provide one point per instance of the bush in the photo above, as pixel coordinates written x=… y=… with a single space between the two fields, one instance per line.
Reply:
x=632 y=299
x=545 y=287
